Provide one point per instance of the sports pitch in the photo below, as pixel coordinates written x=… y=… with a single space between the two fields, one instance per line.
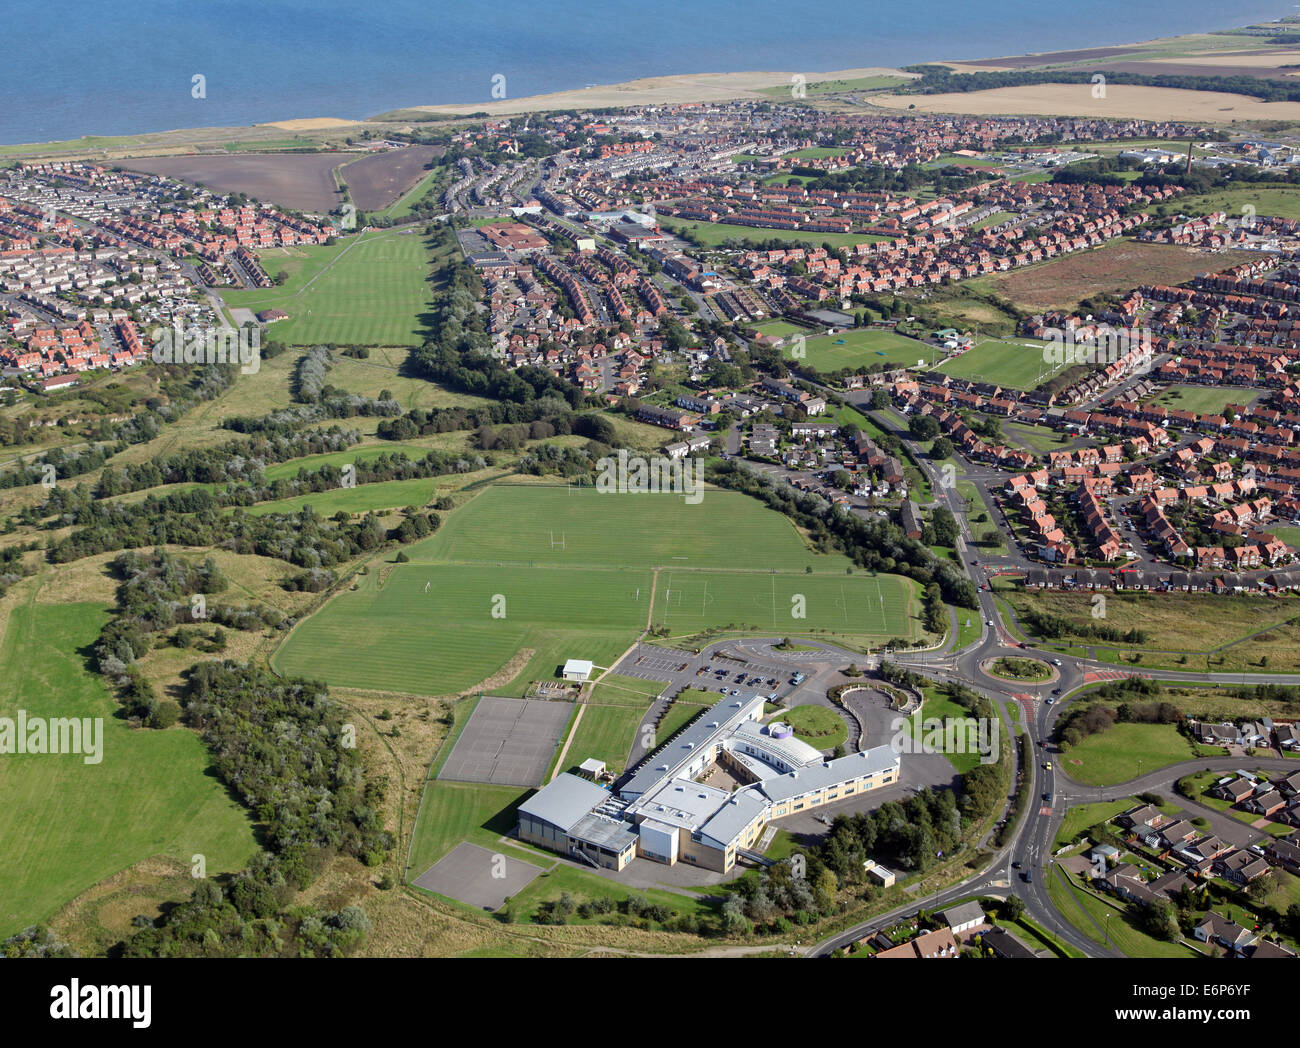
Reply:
x=860 y=348
x=366 y=290
x=1014 y=362
x=782 y=603
x=562 y=573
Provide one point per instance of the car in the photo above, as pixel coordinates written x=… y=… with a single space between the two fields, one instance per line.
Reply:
x=1016 y=864
x=1028 y=875
x=988 y=622
x=1047 y=766
x=772 y=697
x=1257 y=849
x=1056 y=662
x=1056 y=691
x=1048 y=796
x=1050 y=700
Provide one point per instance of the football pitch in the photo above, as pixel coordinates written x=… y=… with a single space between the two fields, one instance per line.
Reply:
x=1014 y=362
x=860 y=605
x=557 y=573
x=369 y=290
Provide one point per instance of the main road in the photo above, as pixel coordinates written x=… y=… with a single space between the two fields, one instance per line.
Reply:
x=1032 y=844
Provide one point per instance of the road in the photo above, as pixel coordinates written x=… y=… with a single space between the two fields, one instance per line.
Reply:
x=1033 y=841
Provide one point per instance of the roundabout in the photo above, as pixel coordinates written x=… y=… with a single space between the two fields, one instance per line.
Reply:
x=1019 y=669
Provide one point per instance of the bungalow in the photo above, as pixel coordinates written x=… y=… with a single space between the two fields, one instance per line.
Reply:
x=1215 y=928
x=1147 y=816
x=1241 y=867
x=1235 y=790
x=1266 y=803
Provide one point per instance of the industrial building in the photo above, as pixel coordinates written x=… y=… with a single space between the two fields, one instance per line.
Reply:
x=662 y=813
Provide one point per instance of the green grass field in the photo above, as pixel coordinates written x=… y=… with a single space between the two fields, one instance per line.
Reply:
x=606 y=733
x=1017 y=363
x=387 y=494
x=67 y=824
x=1088 y=913
x=995 y=219
x=1113 y=755
x=402 y=638
x=451 y=812
x=827 y=87
x=366 y=290
x=862 y=347
x=1041 y=439
x=781 y=329
x=1204 y=400
x=716 y=233
x=1083 y=816
x=1268 y=201
x=849 y=605
x=573 y=574
x=818 y=726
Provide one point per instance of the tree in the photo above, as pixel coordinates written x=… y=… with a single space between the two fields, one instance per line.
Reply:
x=941 y=449
x=1159 y=920
x=923 y=427
x=879 y=399
x=1013 y=908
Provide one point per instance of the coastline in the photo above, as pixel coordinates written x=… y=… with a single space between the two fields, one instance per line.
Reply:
x=1174 y=54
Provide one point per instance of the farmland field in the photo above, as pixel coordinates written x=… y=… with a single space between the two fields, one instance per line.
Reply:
x=366 y=290
x=1017 y=363
x=379 y=179
x=861 y=348
x=575 y=588
x=302 y=181
x=67 y=824
x=1117 y=266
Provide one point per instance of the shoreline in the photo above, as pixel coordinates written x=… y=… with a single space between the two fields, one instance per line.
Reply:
x=677 y=89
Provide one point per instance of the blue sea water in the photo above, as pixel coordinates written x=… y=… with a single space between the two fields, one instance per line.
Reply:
x=75 y=67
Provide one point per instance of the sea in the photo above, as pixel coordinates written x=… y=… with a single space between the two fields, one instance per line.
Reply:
x=99 y=67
